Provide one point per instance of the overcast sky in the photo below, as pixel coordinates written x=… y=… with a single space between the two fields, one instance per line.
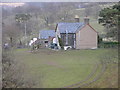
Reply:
x=59 y=0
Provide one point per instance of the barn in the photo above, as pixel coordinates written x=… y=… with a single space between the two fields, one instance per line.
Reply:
x=78 y=35
x=46 y=36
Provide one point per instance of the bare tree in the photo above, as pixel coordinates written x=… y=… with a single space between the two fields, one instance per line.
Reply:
x=12 y=32
x=23 y=18
x=65 y=13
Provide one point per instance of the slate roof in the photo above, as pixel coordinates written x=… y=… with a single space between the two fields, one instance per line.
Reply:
x=44 y=34
x=70 y=27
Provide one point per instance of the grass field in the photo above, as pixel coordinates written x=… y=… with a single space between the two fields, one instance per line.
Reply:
x=55 y=69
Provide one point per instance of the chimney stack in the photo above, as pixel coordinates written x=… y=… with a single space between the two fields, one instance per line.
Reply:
x=86 y=20
x=77 y=19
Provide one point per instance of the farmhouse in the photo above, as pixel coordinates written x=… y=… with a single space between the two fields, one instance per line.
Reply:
x=77 y=35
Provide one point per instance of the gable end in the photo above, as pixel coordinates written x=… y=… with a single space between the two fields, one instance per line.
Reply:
x=85 y=26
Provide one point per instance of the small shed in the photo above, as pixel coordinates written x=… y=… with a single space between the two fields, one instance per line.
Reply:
x=46 y=37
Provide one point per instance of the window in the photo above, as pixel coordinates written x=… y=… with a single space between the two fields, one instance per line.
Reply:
x=74 y=36
x=46 y=42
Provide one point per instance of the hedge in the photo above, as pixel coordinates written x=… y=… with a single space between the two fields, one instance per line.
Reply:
x=108 y=45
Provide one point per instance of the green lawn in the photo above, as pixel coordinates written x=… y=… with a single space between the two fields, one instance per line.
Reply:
x=56 y=69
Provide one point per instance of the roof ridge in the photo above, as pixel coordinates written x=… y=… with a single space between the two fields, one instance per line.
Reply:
x=46 y=30
x=70 y=22
x=71 y=27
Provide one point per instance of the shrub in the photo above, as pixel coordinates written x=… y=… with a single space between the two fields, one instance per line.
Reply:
x=109 y=45
x=13 y=74
x=60 y=42
x=99 y=39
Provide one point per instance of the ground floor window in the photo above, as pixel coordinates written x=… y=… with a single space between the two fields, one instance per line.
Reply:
x=46 y=42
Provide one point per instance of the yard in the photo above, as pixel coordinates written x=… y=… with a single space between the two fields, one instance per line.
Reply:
x=72 y=68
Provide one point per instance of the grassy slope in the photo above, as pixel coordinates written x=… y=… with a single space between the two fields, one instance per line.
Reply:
x=60 y=68
x=109 y=79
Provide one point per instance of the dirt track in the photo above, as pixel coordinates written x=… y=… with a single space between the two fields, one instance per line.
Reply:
x=81 y=83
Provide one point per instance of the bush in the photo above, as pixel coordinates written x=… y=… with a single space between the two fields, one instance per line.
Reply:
x=13 y=74
x=108 y=45
x=99 y=39
x=60 y=42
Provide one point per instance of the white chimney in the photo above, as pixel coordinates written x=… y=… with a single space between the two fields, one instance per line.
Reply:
x=77 y=19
